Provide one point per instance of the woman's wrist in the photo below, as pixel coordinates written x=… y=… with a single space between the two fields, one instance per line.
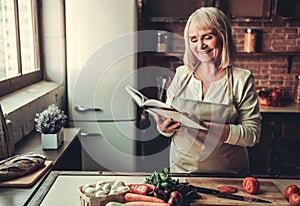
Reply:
x=225 y=133
x=223 y=129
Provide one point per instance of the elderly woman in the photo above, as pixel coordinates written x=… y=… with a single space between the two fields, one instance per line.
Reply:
x=213 y=90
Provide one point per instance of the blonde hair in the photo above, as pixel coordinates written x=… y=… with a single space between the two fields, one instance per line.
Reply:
x=213 y=19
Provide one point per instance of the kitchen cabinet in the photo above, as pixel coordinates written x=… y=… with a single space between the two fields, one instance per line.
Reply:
x=255 y=10
x=164 y=10
x=278 y=151
x=287 y=9
x=236 y=10
x=284 y=143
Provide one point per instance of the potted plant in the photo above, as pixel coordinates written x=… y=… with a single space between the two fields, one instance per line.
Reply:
x=50 y=123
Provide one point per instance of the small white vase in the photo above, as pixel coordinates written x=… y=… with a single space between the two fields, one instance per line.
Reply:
x=52 y=141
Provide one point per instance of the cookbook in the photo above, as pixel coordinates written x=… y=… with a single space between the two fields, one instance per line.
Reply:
x=162 y=109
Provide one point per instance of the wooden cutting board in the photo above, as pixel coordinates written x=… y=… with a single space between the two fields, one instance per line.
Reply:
x=29 y=179
x=268 y=191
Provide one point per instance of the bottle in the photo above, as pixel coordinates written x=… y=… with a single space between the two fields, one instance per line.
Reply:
x=250 y=40
x=297 y=91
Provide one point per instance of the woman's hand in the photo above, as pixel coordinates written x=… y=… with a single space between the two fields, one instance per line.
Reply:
x=166 y=125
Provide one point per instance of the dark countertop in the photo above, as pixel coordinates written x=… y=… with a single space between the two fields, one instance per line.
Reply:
x=32 y=143
x=286 y=108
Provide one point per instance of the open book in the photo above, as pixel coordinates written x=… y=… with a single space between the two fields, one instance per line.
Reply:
x=162 y=109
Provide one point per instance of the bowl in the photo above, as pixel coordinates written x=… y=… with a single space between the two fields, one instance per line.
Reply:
x=88 y=200
x=269 y=96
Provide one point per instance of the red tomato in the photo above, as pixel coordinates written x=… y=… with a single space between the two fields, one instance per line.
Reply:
x=274 y=94
x=142 y=189
x=294 y=199
x=251 y=185
x=290 y=190
x=228 y=189
x=175 y=198
x=174 y=194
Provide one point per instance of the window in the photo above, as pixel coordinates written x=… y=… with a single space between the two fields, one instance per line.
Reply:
x=19 y=45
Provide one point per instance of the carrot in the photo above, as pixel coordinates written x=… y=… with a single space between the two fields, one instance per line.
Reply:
x=132 y=197
x=140 y=203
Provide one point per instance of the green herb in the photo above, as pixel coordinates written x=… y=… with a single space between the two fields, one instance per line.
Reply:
x=166 y=185
x=161 y=179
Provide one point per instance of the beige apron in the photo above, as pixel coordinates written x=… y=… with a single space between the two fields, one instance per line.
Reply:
x=190 y=153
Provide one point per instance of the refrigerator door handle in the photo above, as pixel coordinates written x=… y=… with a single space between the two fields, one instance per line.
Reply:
x=80 y=108
x=86 y=134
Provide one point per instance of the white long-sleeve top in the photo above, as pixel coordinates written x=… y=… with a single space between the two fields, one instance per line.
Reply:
x=246 y=130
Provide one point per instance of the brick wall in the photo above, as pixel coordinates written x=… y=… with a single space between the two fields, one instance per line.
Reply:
x=272 y=70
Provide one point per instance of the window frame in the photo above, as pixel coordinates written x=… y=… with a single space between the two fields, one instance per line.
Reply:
x=23 y=80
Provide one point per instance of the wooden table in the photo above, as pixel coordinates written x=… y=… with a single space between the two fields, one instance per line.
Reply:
x=14 y=196
x=62 y=186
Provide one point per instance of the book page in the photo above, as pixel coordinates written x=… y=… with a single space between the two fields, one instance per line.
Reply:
x=162 y=109
x=155 y=103
x=137 y=97
x=143 y=101
x=177 y=117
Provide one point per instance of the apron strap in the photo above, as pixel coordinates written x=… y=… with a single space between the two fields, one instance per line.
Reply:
x=230 y=86
x=182 y=84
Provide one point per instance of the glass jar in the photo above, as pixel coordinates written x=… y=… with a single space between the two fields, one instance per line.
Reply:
x=250 y=41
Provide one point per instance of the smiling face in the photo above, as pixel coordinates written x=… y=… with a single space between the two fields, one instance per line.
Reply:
x=205 y=44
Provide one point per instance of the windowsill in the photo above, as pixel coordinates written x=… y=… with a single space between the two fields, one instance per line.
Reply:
x=20 y=107
x=25 y=96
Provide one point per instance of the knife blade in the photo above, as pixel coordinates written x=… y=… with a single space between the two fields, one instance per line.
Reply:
x=206 y=190
x=226 y=195
x=241 y=198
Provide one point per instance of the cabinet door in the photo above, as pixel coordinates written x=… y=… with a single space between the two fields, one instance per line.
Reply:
x=109 y=145
x=288 y=162
x=171 y=8
x=288 y=9
x=246 y=9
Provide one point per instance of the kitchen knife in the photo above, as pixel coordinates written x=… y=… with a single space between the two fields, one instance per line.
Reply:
x=241 y=198
x=226 y=195
x=206 y=190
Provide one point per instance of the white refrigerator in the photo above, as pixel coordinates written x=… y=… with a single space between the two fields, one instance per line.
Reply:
x=101 y=61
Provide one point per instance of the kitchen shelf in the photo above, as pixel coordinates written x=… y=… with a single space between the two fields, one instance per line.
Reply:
x=184 y=20
x=269 y=54
x=165 y=19
x=256 y=54
x=289 y=55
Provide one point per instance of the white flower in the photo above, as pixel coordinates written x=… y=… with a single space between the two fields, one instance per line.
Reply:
x=50 y=120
